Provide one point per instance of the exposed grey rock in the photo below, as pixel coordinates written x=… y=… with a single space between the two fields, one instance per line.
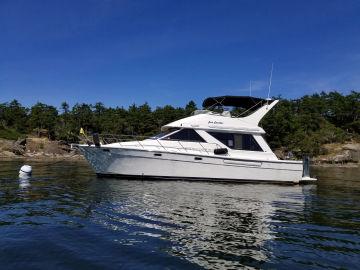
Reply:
x=21 y=142
x=342 y=158
x=354 y=149
x=18 y=147
x=7 y=154
x=352 y=146
x=64 y=146
x=6 y=145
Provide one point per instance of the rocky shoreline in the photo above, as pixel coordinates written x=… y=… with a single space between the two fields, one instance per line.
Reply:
x=37 y=148
x=341 y=155
x=345 y=155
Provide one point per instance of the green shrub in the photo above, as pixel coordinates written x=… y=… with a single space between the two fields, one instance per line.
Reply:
x=10 y=134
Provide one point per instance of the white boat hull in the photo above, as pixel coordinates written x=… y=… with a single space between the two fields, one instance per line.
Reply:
x=142 y=163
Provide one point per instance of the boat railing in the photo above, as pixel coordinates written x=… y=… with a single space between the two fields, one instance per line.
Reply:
x=114 y=138
x=146 y=142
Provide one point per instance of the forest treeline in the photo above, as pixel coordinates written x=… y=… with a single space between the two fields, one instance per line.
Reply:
x=300 y=125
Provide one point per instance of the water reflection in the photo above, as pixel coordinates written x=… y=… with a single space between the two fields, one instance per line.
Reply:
x=212 y=225
x=24 y=182
x=110 y=223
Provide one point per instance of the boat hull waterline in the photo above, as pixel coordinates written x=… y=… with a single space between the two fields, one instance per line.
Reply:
x=145 y=164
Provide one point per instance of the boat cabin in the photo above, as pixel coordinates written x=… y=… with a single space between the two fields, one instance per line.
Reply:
x=207 y=129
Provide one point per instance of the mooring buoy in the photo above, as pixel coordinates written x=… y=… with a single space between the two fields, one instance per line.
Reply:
x=25 y=171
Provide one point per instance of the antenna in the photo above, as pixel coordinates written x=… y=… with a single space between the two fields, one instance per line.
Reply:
x=270 y=79
x=250 y=88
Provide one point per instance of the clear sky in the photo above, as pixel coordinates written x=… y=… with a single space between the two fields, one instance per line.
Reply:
x=169 y=52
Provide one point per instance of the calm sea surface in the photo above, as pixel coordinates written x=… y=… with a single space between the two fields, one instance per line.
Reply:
x=67 y=218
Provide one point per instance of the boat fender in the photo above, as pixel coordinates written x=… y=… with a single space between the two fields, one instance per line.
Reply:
x=220 y=151
x=25 y=171
x=96 y=139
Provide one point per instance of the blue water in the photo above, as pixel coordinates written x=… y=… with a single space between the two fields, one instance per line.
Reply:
x=67 y=218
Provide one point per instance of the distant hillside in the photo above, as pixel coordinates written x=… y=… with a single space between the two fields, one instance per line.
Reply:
x=300 y=126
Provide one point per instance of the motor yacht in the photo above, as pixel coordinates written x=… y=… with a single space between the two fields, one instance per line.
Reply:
x=211 y=145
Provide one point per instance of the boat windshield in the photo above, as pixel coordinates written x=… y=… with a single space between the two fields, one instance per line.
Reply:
x=163 y=134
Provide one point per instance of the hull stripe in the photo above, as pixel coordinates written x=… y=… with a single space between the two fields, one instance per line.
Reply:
x=174 y=178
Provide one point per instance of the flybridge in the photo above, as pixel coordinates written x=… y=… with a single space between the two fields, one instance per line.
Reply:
x=256 y=108
x=206 y=119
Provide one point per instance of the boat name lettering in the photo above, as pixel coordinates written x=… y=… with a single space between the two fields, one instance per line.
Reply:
x=215 y=122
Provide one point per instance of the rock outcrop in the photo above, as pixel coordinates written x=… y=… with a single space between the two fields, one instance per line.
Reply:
x=36 y=148
x=339 y=154
x=354 y=150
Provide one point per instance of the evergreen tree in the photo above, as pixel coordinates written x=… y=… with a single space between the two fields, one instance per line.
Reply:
x=15 y=116
x=43 y=116
x=300 y=125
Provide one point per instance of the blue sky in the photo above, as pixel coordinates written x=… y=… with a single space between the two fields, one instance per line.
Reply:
x=169 y=52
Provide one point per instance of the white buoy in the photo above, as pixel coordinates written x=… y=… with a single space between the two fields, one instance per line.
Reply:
x=25 y=171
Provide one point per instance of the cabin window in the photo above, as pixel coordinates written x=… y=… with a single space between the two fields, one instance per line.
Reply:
x=185 y=134
x=163 y=134
x=237 y=141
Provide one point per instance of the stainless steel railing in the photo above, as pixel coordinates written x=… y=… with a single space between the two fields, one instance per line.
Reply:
x=145 y=142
